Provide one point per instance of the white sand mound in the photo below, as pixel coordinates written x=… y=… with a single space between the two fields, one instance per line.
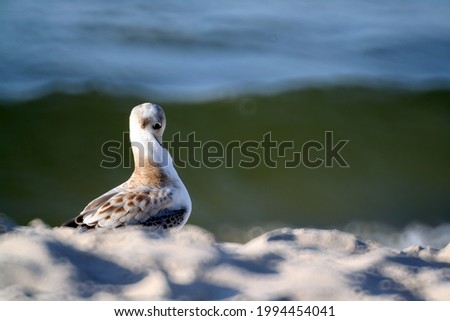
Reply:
x=42 y=263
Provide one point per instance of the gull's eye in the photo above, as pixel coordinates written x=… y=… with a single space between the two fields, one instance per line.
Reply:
x=156 y=126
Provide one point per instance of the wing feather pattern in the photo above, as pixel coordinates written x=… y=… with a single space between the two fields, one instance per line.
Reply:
x=124 y=206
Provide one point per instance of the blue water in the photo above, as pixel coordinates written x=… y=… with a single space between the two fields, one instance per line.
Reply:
x=208 y=49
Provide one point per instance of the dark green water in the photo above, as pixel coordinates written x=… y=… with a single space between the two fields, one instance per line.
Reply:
x=398 y=155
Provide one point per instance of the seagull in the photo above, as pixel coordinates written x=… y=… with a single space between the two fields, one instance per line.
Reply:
x=154 y=195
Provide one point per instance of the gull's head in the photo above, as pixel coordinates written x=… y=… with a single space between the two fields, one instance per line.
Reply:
x=147 y=120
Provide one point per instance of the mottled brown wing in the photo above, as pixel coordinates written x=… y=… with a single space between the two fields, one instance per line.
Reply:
x=127 y=208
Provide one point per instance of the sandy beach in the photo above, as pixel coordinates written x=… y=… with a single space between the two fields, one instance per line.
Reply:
x=38 y=262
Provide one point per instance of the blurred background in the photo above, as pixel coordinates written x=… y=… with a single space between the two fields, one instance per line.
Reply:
x=374 y=73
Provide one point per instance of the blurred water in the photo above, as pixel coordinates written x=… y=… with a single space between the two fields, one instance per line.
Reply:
x=398 y=154
x=202 y=49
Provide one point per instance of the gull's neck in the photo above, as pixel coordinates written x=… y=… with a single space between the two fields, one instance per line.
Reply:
x=153 y=165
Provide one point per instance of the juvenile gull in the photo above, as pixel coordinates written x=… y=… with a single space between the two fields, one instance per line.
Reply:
x=154 y=195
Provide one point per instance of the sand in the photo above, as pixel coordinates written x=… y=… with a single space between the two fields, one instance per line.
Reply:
x=38 y=262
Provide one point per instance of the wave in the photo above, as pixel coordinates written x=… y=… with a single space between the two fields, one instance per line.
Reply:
x=213 y=50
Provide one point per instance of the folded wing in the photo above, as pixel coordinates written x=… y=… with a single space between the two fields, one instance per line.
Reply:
x=124 y=207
